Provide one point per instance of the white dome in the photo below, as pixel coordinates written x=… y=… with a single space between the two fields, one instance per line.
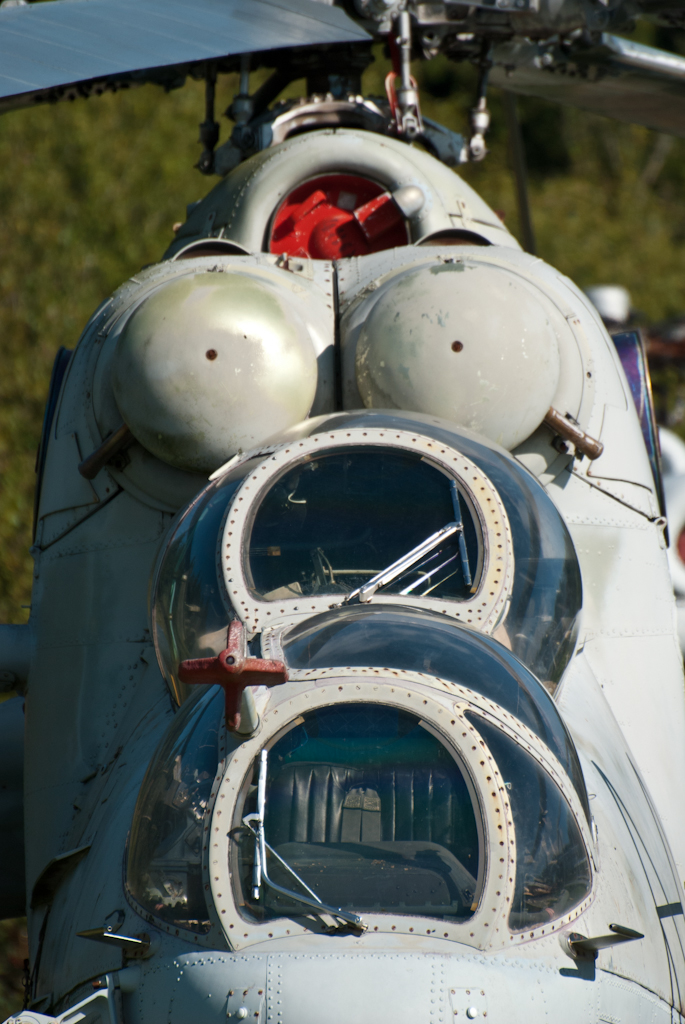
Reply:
x=470 y=342
x=211 y=364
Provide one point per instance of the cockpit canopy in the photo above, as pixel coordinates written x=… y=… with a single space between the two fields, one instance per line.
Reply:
x=428 y=644
x=292 y=531
x=373 y=807
x=332 y=522
x=372 y=811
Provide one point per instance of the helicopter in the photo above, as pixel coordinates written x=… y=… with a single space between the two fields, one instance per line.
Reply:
x=351 y=687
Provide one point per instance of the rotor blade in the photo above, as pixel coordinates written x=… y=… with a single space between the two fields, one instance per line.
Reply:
x=74 y=43
x=617 y=78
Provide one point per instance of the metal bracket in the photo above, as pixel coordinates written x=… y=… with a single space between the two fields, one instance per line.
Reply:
x=234 y=672
x=581 y=948
x=564 y=428
x=134 y=947
x=110 y=447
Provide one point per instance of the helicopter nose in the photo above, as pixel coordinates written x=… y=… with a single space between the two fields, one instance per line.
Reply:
x=388 y=987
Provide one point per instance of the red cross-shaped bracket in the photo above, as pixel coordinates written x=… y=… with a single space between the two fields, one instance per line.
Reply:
x=233 y=671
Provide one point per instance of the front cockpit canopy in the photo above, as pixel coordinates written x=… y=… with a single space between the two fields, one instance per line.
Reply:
x=331 y=523
x=293 y=533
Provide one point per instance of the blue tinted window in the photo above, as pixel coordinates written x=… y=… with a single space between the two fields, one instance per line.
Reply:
x=371 y=811
x=552 y=867
x=427 y=642
x=165 y=851
x=331 y=523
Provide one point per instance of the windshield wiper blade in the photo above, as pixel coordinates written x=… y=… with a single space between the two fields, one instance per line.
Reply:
x=366 y=592
x=260 y=873
x=427 y=576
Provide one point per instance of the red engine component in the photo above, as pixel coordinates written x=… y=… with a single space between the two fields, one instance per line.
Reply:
x=337 y=215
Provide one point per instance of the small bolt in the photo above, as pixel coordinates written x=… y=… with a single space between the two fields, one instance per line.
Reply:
x=211 y=354
x=457 y=346
x=471 y=1013
x=242 y=1013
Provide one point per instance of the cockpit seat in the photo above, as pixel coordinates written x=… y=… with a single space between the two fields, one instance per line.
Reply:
x=377 y=833
x=325 y=803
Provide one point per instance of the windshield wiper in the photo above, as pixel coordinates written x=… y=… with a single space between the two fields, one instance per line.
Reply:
x=425 y=577
x=255 y=822
x=386 y=576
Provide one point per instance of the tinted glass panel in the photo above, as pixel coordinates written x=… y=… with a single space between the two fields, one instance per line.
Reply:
x=330 y=524
x=189 y=616
x=371 y=811
x=541 y=625
x=426 y=642
x=165 y=851
x=552 y=868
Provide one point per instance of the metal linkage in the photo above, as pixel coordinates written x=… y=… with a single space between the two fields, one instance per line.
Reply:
x=480 y=115
x=404 y=100
x=209 y=128
x=390 y=573
x=260 y=874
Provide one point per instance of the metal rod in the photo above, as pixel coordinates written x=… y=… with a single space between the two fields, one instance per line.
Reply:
x=463 y=553
x=97 y=460
x=353 y=919
x=427 y=576
x=480 y=115
x=315 y=903
x=245 y=74
x=404 y=42
x=584 y=444
x=518 y=160
x=209 y=129
x=394 y=570
x=267 y=92
x=292 y=872
x=258 y=818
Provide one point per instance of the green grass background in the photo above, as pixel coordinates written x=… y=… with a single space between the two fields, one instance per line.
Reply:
x=89 y=192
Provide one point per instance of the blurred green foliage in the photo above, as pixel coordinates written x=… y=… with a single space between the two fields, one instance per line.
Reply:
x=89 y=192
x=13 y=951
